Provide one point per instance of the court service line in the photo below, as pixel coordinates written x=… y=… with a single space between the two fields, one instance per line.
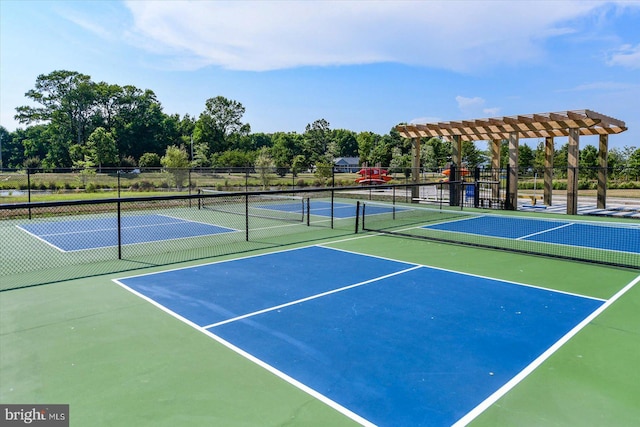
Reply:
x=508 y=282
x=41 y=239
x=321 y=397
x=471 y=415
x=126 y=227
x=309 y=298
x=545 y=231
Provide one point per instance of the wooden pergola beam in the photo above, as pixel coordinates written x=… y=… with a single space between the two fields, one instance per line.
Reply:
x=538 y=125
x=571 y=124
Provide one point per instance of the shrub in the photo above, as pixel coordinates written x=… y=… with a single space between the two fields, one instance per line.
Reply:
x=90 y=187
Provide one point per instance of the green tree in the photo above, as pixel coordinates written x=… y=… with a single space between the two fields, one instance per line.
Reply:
x=149 y=160
x=472 y=157
x=66 y=99
x=264 y=165
x=525 y=157
x=176 y=162
x=140 y=125
x=366 y=142
x=219 y=123
x=345 y=142
x=589 y=162
x=400 y=162
x=102 y=148
x=634 y=162
x=298 y=164
x=12 y=148
x=317 y=136
x=233 y=158
x=324 y=171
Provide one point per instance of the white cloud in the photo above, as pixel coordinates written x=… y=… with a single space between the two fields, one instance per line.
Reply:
x=627 y=56
x=491 y=111
x=603 y=86
x=268 y=35
x=469 y=103
x=427 y=119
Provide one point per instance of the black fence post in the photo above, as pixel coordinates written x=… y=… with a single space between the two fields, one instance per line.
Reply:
x=29 y=190
x=246 y=216
x=332 y=196
x=119 y=231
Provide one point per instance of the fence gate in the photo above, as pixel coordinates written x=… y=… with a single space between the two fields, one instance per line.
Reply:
x=485 y=188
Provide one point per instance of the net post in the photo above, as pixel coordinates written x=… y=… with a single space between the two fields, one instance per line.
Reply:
x=308 y=211
x=246 y=216
x=119 y=230
x=357 y=215
x=364 y=214
x=332 y=195
x=29 y=190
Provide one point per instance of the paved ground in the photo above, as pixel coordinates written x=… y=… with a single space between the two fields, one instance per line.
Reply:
x=616 y=207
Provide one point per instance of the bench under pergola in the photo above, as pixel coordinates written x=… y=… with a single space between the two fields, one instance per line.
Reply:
x=571 y=124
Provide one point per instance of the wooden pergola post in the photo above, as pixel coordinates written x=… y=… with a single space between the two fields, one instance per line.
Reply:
x=455 y=175
x=602 y=171
x=514 y=141
x=549 y=151
x=415 y=168
x=549 y=125
x=572 y=171
x=495 y=165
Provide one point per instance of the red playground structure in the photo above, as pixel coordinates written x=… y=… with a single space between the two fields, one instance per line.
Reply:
x=373 y=176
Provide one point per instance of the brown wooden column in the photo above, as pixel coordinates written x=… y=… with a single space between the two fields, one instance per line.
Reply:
x=456 y=156
x=415 y=168
x=514 y=141
x=572 y=171
x=549 y=151
x=602 y=172
x=495 y=165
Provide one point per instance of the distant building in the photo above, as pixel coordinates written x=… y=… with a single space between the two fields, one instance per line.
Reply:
x=347 y=164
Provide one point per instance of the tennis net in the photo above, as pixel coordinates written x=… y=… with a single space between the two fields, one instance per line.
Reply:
x=601 y=242
x=269 y=206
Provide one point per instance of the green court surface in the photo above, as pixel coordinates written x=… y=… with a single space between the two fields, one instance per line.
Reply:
x=118 y=360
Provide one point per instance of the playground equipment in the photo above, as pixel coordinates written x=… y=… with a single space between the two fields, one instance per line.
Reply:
x=373 y=176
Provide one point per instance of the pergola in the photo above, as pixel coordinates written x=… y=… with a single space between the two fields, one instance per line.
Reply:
x=571 y=124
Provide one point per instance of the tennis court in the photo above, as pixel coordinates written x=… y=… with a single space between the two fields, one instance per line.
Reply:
x=93 y=233
x=372 y=336
x=612 y=237
x=311 y=325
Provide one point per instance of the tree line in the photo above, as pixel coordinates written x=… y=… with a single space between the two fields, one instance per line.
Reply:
x=74 y=122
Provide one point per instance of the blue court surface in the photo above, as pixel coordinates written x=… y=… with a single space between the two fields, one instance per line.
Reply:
x=93 y=233
x=614 y=237
x=388 y=342
x=347 y=210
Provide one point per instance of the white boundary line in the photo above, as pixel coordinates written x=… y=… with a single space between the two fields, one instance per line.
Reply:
x=312 y=297
x=566 y=245
x=470 y=416
x=321 y=397
x=462 y=421
x=508 y=282
x=41 y=239
x=548 y=230
x=182 y=221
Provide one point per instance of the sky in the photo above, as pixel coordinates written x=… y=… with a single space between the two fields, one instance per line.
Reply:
x=360 y=65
